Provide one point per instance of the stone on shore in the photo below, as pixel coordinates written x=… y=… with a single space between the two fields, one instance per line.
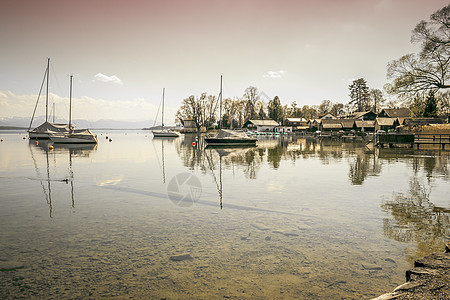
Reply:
x=429 y=279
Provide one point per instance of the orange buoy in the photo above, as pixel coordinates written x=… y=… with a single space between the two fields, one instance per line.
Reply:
x=193 y=144
x=50 y=147
x=36 y=142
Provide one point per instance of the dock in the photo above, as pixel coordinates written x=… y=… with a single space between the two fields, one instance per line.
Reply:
x=413 y=140
x=432 y=139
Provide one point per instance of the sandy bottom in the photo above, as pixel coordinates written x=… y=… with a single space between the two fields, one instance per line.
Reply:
x=235 y=254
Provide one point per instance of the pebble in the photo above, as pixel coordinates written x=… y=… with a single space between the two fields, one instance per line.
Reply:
x=181 y=257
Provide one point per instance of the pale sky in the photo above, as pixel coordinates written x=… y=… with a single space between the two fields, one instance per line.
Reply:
x=123 y=53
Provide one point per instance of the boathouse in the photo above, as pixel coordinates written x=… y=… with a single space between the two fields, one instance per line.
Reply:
x=395 y=113
x=386 y=124
x=261 y=125
x=364 y=126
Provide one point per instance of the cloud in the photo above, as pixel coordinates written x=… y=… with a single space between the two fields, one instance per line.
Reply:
x=106 y=78
x=274 y=74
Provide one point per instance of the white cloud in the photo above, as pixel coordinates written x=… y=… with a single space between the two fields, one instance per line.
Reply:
x=274 y=74
x=106 y=78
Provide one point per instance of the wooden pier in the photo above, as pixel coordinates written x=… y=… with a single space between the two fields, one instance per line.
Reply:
x=432 y=139
x=392 y=140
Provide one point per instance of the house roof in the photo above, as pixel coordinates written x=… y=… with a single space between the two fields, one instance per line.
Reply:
x=385 y=121
x=347 y=123
x=331 y=121
x=296 y=119
x=397 y=112
x=332 y=126
x=366 y=124
x=327 y=115
x=264 y=122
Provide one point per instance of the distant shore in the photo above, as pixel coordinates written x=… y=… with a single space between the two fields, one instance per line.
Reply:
x=13 y=128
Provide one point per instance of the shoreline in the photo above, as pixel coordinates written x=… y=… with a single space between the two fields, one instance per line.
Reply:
x=429 y=279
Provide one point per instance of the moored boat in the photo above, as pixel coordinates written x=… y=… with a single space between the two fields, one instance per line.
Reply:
x=228 y=137
x=73 y=136
x=164 y=132
x=46 y=129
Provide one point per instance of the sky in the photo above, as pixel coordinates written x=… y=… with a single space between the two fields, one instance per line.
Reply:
x=123 y=53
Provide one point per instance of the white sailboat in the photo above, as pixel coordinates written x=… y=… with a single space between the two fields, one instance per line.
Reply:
x=227 y=137
x=46 y=129
x=74 y=136
x=164 y=132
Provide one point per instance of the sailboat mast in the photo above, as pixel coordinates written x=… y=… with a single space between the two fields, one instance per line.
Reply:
x=53 y=112
x=46 y=94
x=162 y=112
x=70 y=103
x=220 y=109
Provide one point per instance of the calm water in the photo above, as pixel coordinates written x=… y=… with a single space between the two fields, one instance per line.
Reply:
x=292 y=218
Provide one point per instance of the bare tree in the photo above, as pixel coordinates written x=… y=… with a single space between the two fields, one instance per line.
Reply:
x=429 y=70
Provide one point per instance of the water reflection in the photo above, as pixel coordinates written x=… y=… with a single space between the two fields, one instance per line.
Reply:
x=52 y=153
x=416 y=219
x=413 y=216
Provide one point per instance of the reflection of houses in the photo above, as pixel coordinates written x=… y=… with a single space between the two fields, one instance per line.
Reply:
x=386 y=124
x=283 y=129
x=365 y=126
x=261 y=125
x=331 y=125
x=395 y=113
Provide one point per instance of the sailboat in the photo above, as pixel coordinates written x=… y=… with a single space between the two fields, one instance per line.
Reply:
x=74 y=136
x=164 y=132
x=46 y=129
x=229 y=138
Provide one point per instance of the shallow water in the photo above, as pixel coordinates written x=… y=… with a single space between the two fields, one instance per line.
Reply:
x=292 y=218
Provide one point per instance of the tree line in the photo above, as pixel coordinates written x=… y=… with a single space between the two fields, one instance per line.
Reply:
x=420 y=81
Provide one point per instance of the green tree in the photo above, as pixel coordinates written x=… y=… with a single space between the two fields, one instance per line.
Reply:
x=295 y=111
x=430 y=110
x=251 y=98
x=203 y=110
x=309 y=112
x=275 y=109
x=337 y=109
x=417 y=107
x=359 y=95
x=376 y=99
x=429 y=70
x=325 y=107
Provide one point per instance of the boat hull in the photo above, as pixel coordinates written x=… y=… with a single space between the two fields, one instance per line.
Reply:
x=39 y=135
x=165 y=133
x=74 y=139
x=230 y=142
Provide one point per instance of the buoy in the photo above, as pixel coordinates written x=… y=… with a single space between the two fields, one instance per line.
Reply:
x=37 y=143
x=110 y=140
x=1 y=140
x=50 y=147
x=193 y=144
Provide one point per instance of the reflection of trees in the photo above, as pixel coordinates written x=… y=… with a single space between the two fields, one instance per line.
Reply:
x=362 y=165
x=416 y=219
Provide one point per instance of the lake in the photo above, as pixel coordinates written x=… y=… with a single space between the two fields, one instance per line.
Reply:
x=160 y=218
